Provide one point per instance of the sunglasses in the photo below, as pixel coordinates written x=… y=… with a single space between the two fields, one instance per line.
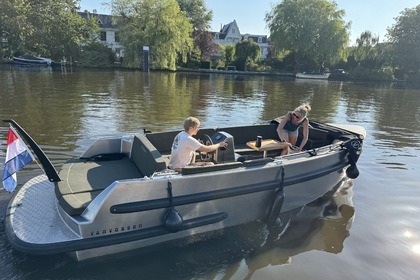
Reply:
x=294 y=114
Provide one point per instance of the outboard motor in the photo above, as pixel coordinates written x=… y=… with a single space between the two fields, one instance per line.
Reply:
x=227 y=154
x=354 y=148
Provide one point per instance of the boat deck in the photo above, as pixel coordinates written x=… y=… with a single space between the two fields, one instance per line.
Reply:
x=34 y=215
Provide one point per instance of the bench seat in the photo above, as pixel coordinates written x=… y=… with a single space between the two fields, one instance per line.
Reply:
x=84 y=180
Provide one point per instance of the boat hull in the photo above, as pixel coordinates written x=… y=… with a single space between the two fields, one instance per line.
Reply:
x=35 y=226
x=315 y=76
x=35 y=61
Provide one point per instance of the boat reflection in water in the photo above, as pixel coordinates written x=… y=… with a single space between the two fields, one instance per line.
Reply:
x=321 y=225
x=238 y=252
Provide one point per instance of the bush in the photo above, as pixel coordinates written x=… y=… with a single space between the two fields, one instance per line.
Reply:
x=205 y=65
x=360 y=73
x=97 y=55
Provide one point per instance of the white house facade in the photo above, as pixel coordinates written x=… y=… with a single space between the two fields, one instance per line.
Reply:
x=229 y=35
x=108 y=31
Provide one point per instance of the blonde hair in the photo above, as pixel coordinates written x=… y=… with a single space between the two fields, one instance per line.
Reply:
x=191 y=122
x=303 y=109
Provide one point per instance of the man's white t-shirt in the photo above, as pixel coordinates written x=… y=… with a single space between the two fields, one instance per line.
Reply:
x=183 y=149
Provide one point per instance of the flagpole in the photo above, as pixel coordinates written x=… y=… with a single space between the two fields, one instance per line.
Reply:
x=45 y=162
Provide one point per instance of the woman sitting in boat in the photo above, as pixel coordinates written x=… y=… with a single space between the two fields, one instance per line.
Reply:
x=288 y=128
x=184 y=146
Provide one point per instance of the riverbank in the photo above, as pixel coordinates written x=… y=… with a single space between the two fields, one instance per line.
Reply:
x=366 y=75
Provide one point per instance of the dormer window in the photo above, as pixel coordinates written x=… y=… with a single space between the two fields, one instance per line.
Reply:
x=99 y=22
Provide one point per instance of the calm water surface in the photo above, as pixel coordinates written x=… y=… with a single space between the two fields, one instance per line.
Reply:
x=369 y=230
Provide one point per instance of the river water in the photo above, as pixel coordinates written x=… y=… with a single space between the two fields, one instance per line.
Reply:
x=370 y=229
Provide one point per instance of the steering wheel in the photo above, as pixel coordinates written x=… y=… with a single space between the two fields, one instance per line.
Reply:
x=206 y=140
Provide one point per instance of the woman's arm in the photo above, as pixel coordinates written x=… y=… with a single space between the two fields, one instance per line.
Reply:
x=305 y=126
x=281 y=125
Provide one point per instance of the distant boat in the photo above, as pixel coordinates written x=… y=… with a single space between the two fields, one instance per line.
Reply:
x=313 y=75
x=31 y=60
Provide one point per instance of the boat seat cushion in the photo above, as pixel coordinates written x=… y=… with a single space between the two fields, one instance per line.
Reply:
x=145 y=156
x=83 y=180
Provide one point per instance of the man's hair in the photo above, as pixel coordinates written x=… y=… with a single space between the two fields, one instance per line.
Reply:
x=190 y=122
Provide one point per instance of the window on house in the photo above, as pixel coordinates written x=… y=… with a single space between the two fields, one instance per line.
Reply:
x=103 y=36
x=216 y=36
x=117 y=37
x=233 y=30
x=259 y=39
x=229 y=40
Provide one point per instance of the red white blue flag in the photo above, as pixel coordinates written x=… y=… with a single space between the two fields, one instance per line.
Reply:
x=17 y=156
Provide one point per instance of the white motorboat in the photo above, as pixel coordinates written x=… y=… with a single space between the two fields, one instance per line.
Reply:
x=313 y=75
x=31 y=60
x=119 y=195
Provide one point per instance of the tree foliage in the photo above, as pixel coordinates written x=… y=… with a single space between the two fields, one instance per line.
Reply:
x=369 y=53
x=405 y=36
x=50 y=28
x=246 y=52
x=229 y=54
x=200 y=18
x=311 y=29
x=197 y=13
x=96 y=54
x=203 y=40
x=159 y=24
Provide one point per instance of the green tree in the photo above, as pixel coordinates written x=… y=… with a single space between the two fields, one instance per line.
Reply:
x=49 y=28
x=229 y=54
x=159 y=24
x=246 y=52
x=311 y=29
x=200 y=18
x=203 y=41
x=197 y=13
x=96 y=54
x=369 y=53
x=405 y=36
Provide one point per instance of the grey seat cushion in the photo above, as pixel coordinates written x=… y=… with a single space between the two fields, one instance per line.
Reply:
x=146 y=157
x=84 y=180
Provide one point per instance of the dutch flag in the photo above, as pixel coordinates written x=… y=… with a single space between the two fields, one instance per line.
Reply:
x=17 y=156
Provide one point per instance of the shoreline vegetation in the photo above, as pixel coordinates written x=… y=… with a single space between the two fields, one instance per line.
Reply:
x=375 y=77
x=141 y=30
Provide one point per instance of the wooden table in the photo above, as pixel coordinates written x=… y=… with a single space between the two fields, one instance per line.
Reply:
x=267 y=145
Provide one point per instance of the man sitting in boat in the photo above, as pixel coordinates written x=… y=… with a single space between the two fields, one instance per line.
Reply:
x=288 y=128
x=184 y=146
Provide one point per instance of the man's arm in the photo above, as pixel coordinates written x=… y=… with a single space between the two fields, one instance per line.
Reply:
x=211 y=148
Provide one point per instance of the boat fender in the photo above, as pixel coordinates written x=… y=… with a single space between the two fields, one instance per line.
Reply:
x=172 y=220
x=273 y=215
x=354 y=148
x=352 y=172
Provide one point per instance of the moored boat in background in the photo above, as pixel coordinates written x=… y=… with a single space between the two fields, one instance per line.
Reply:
x=31 y=60
x=313 y=75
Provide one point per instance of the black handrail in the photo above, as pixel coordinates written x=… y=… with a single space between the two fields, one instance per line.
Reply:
x=45 y=162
